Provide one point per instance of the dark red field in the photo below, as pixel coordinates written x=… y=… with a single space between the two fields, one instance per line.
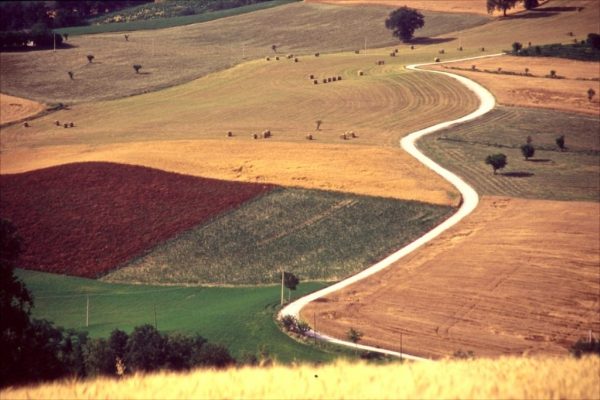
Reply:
x=85 y=219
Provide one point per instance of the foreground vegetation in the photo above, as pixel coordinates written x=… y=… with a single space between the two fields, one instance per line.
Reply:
x=518 y=378
x=554 y=173
x=241 y=319
x=317 y=235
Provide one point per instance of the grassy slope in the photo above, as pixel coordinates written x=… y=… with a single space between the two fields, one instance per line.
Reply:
x=505 y=378
x=161 y=23
x=239 y=318
x=570 y=175
x=176 y=55
x=317 y=235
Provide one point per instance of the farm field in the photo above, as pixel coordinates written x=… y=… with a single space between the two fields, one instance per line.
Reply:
x=516 y=277
x=86 y=219
x=550 y=174
x=568 y=94
x=239 y=318
x=177 y=55
x=506 y=378
x=323 y=236
x=15 y=108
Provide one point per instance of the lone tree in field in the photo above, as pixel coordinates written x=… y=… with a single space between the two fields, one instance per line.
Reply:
x=497 y=161
x=90 y=58
x=274 y=48
x=500 y=5
x=517 y=46
x=318 y=122
x=291 y=282
x=126 y=38
x=591 y=93
x=528 y=151
x=404 y=21
x=137 y=68
x=354 y=335
x=560 y=142
x=531 y=4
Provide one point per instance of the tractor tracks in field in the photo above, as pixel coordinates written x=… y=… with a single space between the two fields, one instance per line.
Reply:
x=469 y=202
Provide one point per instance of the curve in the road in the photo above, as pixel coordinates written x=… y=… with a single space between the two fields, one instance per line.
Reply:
x=470 y=199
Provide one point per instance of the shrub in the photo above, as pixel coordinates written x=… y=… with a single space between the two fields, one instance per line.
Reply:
x=497 y=161
x=354 y=335
x=585 y=346
x=126 y=38
x=303 y=327
x=317 y=54
x=526 y=71
x=527 y=150
x=516 y=46
x=560 y=142
x=145 y=349
x=137 y=68
x=531 y=4
x=591 y=93
x=552 y=74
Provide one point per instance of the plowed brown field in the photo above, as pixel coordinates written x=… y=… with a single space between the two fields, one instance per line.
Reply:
x=15 y=108
x=516 y=277
x=568 y=94
x=369 y=170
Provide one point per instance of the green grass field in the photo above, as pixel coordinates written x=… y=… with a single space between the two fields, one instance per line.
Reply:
x=551 y=174
x=161 y=23
x=239 y=318
x=315 y=234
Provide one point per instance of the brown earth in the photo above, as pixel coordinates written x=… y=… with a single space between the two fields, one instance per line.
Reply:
x=516 y=277
x=536 y=90
x=376 y=171
x=15 y=108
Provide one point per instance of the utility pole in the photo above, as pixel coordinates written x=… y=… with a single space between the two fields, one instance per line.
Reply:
x=282 y=286
x=87 y=312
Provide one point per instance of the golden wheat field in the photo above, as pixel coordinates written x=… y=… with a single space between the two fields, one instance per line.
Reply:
x=505 y=378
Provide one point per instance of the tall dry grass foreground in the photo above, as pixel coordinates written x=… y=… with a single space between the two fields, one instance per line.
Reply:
x=504 y=378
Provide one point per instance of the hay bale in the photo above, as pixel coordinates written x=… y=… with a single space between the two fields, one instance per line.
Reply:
x=483 y=49
x=25 y=125
x=254 y=136
x=356 y=51
x=71 y=125
x=268 y=58
x=328 y=79
x=360 y=73
x=392 y=54
x=309 y=137
x=57 y=122
x=334 y=78
x=396 y=51
x=296 y=60
x=442 y=51
x=412 y=47
x=66 y=125
x=339 y=78
x=352 y=134
x=316 y=82
x=229 y=134
x=437 y=59
x=277 y=58
x=343 y=136
x=311 y=76
x=324 y=80
x=317 y=54
x=460 y=48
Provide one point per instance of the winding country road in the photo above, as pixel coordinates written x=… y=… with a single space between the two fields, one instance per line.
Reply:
x=470 y=199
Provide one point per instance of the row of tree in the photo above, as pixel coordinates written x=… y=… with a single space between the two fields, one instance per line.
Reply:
x=35 y=350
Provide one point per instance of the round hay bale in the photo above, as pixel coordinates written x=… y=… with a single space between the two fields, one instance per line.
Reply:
x=57 y=122
x=343 y=136
x=412 y=47
x=483 y=49
x=311 y=76
x=392 y=54
x=352 y=134
x=360 y=73
x=229 y=134
x=71 y=125
x=356 y=51
x=460 y=48
x=276 y=58
x=295 y=59
x=66 y=125
x=309 y=137
x=268 y=58
x=339 y=78
x=395 y=50
x=25 y=125
x=317 y=54
x=334 y=79
x=324 y=80
x=316 y=82
x=254 y=136
x=442 y=51
x=437 y=59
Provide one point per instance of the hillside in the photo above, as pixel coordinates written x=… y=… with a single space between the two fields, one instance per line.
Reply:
x=515 y=378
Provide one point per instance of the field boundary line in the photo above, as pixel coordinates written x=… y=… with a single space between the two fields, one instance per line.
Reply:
x=469 y=202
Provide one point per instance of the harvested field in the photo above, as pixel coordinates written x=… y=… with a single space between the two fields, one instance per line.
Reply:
x=317 y=235
x=85 y=219
x=373 y=171
x=550 y=174
x=15 y=108
x=536 y=90
x=516 y=277
x=173 y=56
x=506 y=378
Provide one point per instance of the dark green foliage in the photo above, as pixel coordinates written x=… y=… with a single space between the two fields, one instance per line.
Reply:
x=290 y=280
x=404 y=21
x=585 y=346
x=117 y=342
x=560 y=142
x=500 y=5
x=583 y=51
x=593 y=40
x=527 y=150
x=516 y=46
x=213 y=355
x=531 y=4
x=497 y=161
x=137 y=68
x=145 y=349
x=100 y=359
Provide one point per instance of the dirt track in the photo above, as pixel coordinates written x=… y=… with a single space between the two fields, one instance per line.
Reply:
x=517 y=276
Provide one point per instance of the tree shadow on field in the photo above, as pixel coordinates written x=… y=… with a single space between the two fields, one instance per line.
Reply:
x=540 y=160
x=558 y=9
x=428 y=40
x=531 y=15
x=517 y=174
x=144 y=73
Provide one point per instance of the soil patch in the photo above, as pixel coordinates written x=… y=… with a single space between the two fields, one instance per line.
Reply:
x=15 y=108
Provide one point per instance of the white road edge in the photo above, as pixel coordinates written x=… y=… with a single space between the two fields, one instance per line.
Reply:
x=470 y=199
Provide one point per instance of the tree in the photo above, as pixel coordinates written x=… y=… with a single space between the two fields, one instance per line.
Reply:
x=100 y=359
x=90 y=57
x=214 y=355
x=500 y=5
x=137 y=68
x=560 y=142
x=531 y=4
x=593 y=40
x=290 y=281
x=404 y=21
x=497 y=161
x=591 y=93
x=145 y=350
x=516 y=46
x=527 y=150
x=274 y=48
x=585 y=346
